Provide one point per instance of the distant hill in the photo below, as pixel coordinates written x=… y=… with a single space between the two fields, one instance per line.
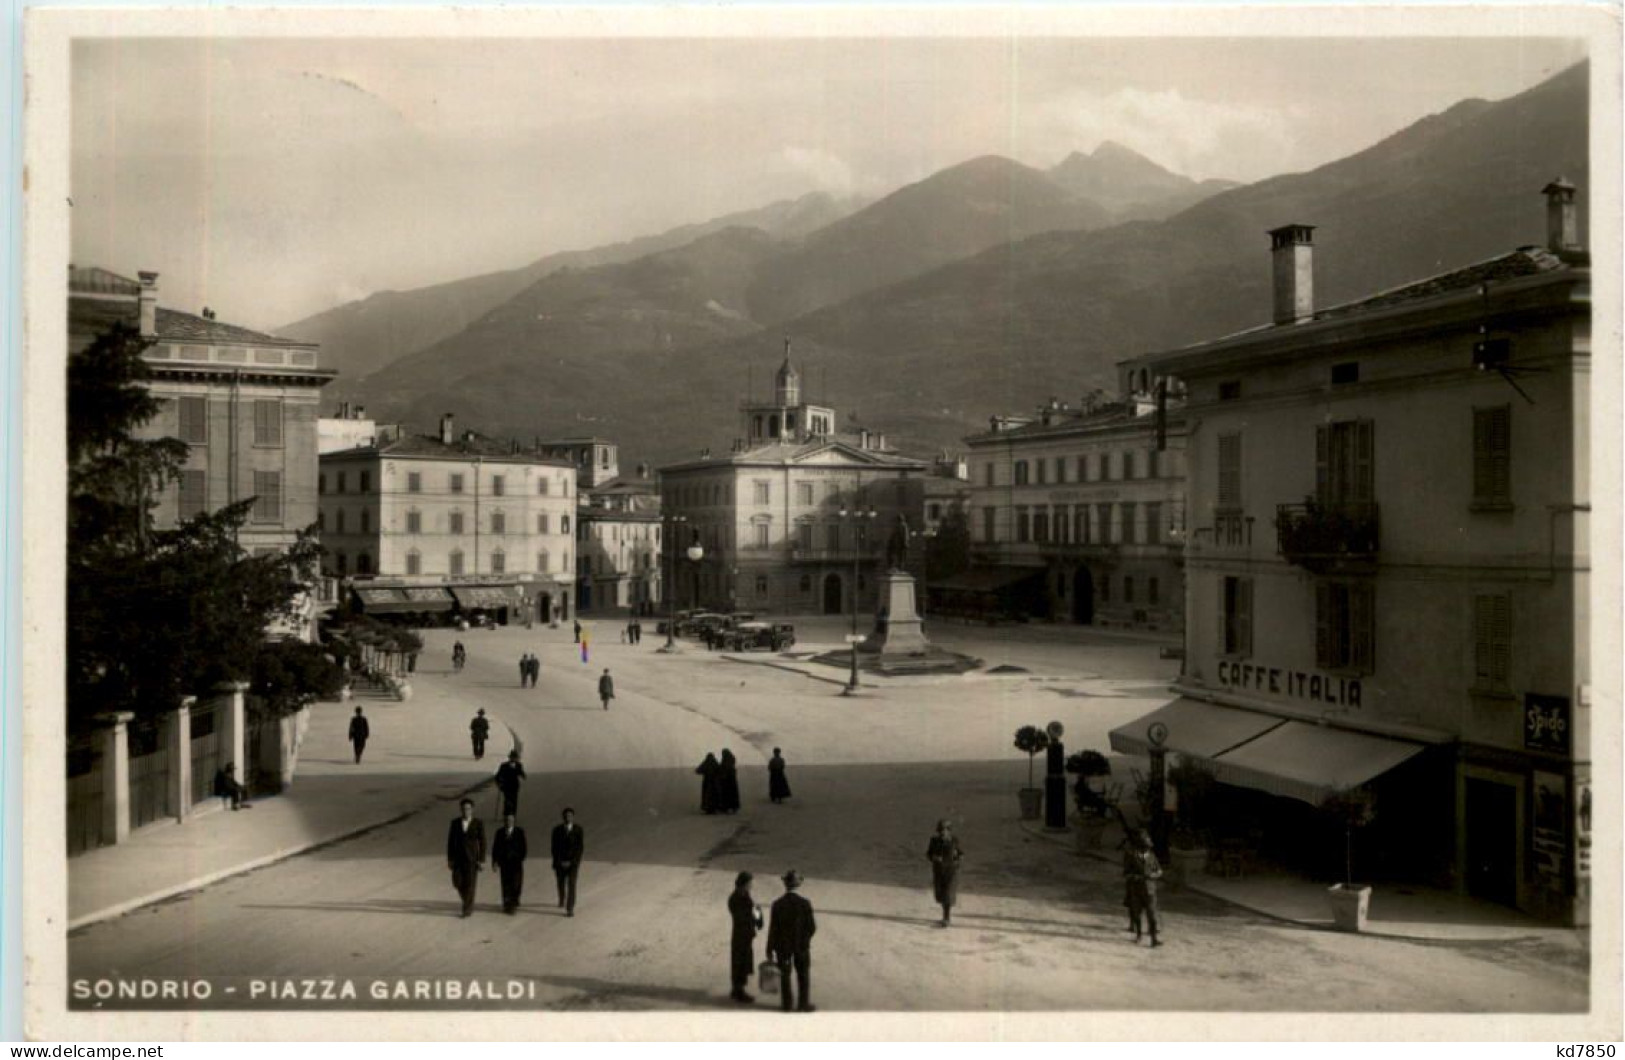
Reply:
x=949 y=215
x=928 y=358
x=363 y=336
x=1129 y=185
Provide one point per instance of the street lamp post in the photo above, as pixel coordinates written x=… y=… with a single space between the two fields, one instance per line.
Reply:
x=696 y=552
x=670 y=524
x=859 y=520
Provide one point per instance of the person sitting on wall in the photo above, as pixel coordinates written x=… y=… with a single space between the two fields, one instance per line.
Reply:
x=227 y=788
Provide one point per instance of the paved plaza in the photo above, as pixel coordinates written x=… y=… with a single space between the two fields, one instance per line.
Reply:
x=1039 y=927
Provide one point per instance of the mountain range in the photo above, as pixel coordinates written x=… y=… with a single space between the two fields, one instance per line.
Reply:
x=982 y=289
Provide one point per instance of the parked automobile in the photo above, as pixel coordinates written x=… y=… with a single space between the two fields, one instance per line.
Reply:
x=750 y=636
x=682 y=618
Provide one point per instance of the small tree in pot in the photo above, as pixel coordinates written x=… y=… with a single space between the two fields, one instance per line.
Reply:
x=1034 y=741
x=1095 y=810
x=1350 y=811
x=1195 y=786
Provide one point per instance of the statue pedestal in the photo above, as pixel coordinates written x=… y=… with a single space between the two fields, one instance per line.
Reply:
x=898 y=629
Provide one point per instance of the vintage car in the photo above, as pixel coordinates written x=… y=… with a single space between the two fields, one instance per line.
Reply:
x=769 y=636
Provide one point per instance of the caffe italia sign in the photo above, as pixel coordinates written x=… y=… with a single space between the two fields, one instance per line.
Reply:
x=1298 y=684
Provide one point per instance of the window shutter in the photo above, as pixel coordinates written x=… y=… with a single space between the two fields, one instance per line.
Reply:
x=1244 y=612
x=1483 y=456
x=1323 y=463
x=1229 y=470
x=1365 y=490
x=1323 y=624
x=1362 y=629
x=1227 y=597
x=1501 y=660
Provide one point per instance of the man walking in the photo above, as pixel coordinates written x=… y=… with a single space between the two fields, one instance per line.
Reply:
x=359 y=731
x=535 y=669
x=508 y=853
x=789 y=942
x=465 y=854
x=524 y=670
x=509 y=776
x=479 y=730
x=577 y=624
x=606 y=689
x=747 y=920
x=568 y=845
x=1141 y=871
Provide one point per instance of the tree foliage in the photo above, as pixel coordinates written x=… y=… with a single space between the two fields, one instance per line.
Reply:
x=154 y=615
x=1034 y=741
x=291 y=674
x=948 y=552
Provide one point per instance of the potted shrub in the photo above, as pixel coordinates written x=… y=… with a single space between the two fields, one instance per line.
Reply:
x=1350 y=810
x=1034 y=741
x=1094 y=810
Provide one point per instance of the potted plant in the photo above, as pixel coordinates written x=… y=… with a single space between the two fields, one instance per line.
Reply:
x=1350 y=810
x=1034 y=741
x=1193 y=785
x=1094 y=810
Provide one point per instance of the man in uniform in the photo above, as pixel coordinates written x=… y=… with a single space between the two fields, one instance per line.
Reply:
x=1141 y=871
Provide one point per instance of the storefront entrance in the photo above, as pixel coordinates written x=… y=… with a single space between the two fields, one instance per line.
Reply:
x=832 y=594
x=1083 y=597
x=1492 y=840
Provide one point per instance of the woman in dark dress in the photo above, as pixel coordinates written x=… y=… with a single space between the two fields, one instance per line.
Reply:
x=944 y=853
x=728 y=783
x=778 y=789
x=708 y=784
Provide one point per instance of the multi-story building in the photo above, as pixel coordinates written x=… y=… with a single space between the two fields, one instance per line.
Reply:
x=796 y=518
x=1388 y=566
x=1078 y=514
x=617 y=528
x=352 y=428
x=428 y=524
x=245 y=403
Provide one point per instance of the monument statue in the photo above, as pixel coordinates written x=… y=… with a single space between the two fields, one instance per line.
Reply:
x=897 y=545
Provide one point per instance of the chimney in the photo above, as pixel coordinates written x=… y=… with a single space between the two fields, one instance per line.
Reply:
x=149 y=304
x=446 y=432
x=361 y=412
x=1293 y=249
x=1562 y=227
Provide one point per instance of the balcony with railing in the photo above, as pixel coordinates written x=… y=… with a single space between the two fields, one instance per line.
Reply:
x=1326 y=535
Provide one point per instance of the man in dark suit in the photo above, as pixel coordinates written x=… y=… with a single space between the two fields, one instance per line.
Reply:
x=465 y=854
x=479 y=730
x=567 y=847
x=510 y=775
x=789 y=941
x=508 y=853
x=359 y=732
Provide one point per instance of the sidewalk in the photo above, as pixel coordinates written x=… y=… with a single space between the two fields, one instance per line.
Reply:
x=419 y=757
x=1412 y=913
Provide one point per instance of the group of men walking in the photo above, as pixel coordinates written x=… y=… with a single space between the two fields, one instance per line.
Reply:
x=530 y=668
x=466 y=853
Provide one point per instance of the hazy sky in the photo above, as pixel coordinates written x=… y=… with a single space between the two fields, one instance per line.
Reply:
x=273 y=179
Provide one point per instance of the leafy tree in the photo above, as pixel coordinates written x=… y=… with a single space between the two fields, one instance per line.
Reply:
x=154 y=615
x=290 y=674
x=1034 y=741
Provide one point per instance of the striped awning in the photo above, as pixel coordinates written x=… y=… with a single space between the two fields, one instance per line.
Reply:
x=486 y=597
x=395 y=600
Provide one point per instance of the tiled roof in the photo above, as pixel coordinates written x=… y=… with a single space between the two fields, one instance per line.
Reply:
x=795 y=452
x=185 y=327
x=1069 y=422
x=1525 y=261
x=95 y=280
x=468 y=445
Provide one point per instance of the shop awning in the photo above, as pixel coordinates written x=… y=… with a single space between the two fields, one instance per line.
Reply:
x=486 y=597
x=1195 y=727
x=1310 y=762
x=396 y=600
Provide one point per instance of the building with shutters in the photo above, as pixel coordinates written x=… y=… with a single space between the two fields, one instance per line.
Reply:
x=451 y=523
x=796 y=518
x=244 y=402
x=1077 y=515
x=1387 y=569
x=618 y=567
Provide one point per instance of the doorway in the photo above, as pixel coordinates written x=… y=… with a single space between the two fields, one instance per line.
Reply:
x=832 y=594
x=1083 y=597
x=1492 y=840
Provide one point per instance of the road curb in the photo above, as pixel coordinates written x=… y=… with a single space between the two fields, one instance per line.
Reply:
x=1308 y=925
x=208 y=880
